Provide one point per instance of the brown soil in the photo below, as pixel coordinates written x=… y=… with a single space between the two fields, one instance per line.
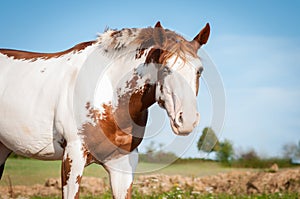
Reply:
x=240 y=182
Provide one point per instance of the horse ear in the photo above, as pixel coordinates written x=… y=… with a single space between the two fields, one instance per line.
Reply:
x=202 y=37
x=159 y=34
x=158 y=25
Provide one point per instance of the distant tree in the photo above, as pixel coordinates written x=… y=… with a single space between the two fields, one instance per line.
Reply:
x=298 y=150
x=249 y=155
x=225 y=152
x=289 y=150
x=156 y=154
x=150 y=148
x=208 y=141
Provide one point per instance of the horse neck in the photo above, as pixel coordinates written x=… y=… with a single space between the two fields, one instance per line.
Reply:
x=142 y=99
x=136 y=92
x=79 y=58
x=134 y=105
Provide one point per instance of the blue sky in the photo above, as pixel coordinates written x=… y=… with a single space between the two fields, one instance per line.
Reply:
x=255 y=46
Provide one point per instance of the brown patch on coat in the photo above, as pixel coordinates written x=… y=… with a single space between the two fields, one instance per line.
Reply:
x=77 y=194
x=89 y=159
x=118 y=131
x=131 y=84
x=139 y=53
x=107 y=132
x=78 y=179
x=66 y=170
x=33 y=56
x=129 y=190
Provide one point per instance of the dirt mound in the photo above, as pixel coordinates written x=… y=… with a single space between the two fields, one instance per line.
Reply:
x=229 y=183
x=52 y=187
x=270 y=181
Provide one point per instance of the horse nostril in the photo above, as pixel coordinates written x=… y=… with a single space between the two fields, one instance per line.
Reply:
x=180 y=119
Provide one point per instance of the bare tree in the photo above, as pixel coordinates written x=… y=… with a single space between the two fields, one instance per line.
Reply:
x=290 y=150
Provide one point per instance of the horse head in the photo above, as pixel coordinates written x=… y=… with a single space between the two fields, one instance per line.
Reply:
x=179 y=70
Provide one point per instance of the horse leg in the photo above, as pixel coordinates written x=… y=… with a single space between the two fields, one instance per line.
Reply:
x=4 y=153
x=72 y=168
x=121 y=172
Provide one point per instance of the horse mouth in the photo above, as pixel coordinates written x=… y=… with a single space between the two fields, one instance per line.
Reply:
x=175 y=129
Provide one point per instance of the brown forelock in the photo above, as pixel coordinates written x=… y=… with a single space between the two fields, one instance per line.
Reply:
x=173 y=44
x=19 y=54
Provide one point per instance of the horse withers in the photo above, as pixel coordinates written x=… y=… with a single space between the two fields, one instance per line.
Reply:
x=47 y=113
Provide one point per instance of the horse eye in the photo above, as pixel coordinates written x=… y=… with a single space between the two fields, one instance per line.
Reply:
x=199 y=71
x=166 y=70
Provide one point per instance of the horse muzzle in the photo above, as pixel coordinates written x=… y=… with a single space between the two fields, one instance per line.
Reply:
x=184 y=124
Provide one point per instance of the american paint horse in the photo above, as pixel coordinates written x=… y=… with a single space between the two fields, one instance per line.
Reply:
x=46 y=114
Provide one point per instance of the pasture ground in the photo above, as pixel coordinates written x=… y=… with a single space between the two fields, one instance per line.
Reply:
x=30 y=171
x=180 y=180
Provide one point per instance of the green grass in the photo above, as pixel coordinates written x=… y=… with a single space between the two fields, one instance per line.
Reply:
x=30 y=171
x=187 y=195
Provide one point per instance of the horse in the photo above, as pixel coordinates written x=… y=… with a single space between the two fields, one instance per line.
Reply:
x=89 y=104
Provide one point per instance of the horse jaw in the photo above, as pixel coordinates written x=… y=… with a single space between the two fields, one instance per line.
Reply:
x=181 y=108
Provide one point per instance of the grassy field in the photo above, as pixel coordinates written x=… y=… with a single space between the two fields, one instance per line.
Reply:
x=180 y=195
x=30 y=171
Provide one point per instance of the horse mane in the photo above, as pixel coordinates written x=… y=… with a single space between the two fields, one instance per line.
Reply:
x=145 y=38
x=169 y=42
x=172 y=44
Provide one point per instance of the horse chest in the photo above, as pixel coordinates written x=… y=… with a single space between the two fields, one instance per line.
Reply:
x=112 y=135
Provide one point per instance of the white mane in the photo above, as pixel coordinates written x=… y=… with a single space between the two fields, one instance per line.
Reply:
x=116 y=40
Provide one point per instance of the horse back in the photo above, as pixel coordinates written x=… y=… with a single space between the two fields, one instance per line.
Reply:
x=30 y=91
